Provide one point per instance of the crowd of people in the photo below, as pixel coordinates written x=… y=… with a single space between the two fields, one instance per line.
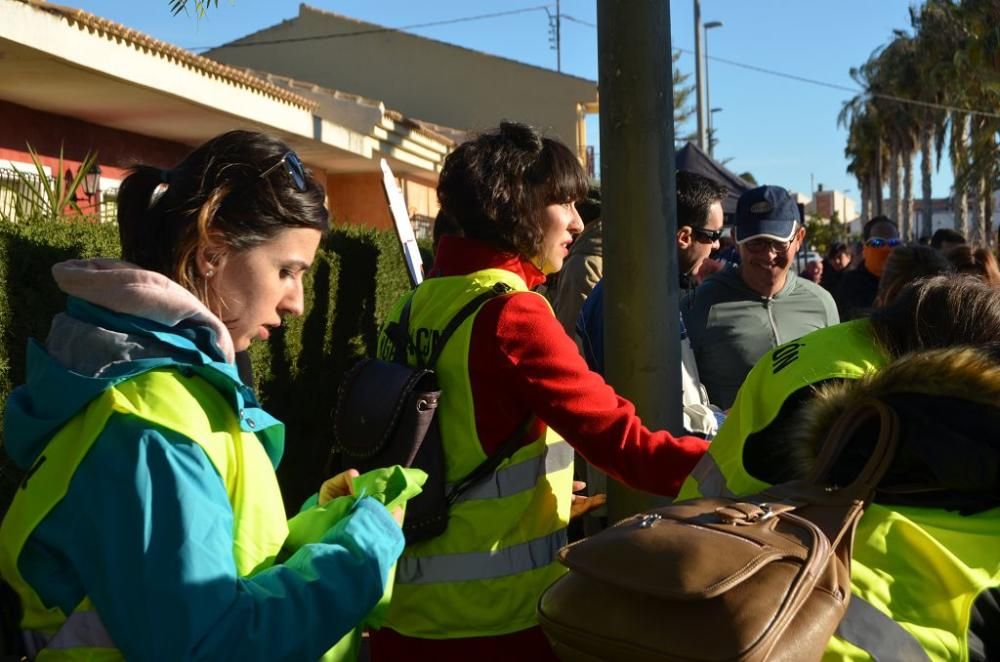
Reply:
x=150 y=524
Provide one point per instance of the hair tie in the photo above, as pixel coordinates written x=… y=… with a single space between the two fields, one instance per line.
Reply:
x=160 y=189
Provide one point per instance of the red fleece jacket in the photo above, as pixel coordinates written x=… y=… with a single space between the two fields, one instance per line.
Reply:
x=521 y=362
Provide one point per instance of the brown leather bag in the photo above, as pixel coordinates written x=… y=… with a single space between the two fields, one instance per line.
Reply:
x=762 y=577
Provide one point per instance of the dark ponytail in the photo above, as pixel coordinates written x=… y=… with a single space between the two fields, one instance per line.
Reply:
x=214 y=197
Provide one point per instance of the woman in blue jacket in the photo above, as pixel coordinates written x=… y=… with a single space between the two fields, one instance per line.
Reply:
x=150 y=524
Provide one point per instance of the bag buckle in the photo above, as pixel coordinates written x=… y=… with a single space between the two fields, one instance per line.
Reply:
x=747 y=513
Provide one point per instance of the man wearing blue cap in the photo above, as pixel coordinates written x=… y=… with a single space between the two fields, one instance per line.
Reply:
x=738 y=314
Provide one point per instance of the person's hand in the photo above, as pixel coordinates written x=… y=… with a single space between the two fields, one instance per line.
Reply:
x=340 y=485
x=581 y=505
x=397 y=514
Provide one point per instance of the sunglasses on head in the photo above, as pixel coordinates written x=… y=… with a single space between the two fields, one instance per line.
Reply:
x=879 y=242
x=761 y=245
x=293 y=167
x=710 y=236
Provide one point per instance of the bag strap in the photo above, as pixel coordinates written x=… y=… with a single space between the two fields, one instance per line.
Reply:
x=400 y=335
x=511 y=443
x=399 y=332
x=490 y=464
x=878 y=635
x=463 y=314
x=841 y=435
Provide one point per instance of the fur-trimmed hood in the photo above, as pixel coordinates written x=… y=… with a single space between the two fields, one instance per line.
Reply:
x=948 y=402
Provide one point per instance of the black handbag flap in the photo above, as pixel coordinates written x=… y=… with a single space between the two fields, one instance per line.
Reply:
x=372 y=398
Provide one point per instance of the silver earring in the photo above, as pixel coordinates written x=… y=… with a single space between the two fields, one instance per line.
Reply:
x=209 y=273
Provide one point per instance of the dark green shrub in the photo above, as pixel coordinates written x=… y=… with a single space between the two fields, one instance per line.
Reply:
x=357 y=276
x=28 y=295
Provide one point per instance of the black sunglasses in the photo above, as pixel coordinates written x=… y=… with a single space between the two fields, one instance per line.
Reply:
x=708 y=235
x=293 y=166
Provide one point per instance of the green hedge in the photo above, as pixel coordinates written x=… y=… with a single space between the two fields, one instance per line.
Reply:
x=358 y=275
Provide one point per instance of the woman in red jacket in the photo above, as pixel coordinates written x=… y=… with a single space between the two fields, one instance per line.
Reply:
x=470 y=593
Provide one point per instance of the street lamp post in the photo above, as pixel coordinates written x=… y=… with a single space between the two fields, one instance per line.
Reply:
x=711 y=130
x=708 y=102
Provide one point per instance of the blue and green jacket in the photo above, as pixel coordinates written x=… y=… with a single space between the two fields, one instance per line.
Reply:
x=144 y=534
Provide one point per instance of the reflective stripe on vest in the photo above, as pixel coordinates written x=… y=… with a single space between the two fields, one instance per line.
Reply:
x=923 y=568
x=521 y=476
x=878 y=635
x=708 y=476
x=470 y=566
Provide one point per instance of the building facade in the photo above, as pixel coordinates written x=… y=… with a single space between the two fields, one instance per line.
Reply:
x=421 y=77
x=98 y=87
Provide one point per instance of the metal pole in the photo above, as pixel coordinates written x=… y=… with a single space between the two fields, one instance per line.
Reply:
x=558 y=39
x=699 y=75
x=708 y=99
x=641 y=320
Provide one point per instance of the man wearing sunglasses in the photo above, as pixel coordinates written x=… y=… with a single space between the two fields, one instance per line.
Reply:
x=857 y=288
x=739 y=314
x=699 y=228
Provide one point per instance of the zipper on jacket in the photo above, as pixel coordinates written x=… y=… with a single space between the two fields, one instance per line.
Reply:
x=774 y=325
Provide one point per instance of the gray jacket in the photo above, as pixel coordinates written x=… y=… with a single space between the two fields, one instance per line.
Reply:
x=731 y=326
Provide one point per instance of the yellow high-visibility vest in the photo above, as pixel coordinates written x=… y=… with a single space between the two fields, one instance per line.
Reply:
x=484 y=574
x=843 y=351
x=196 y=410
x=922 y=567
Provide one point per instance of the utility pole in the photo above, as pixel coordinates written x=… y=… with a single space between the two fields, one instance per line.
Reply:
x=639 y=207
x=555 y=36
x=699 y=77
x=558 y=38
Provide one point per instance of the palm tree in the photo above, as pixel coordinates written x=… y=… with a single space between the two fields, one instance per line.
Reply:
x=888 y=75
x=952 y=59
x=899 y=76
x=928 y=85
x=683 y=110
x=200 y=6
x=944 y=27
x=862 y=147
x=935 y=36
x=866 y=151
x=959 y=153
x=979 y=56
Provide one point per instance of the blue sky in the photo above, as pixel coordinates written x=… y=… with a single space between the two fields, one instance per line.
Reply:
x=784 y=131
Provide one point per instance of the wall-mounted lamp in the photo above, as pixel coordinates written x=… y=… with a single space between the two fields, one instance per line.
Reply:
x=92 y=181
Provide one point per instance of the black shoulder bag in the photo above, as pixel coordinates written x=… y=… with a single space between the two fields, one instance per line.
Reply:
x=385 y=415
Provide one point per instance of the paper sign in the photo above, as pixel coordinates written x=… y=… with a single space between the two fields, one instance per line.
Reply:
x=404 y=230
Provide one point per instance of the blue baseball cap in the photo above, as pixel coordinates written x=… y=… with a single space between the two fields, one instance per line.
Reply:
x=766 y=211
